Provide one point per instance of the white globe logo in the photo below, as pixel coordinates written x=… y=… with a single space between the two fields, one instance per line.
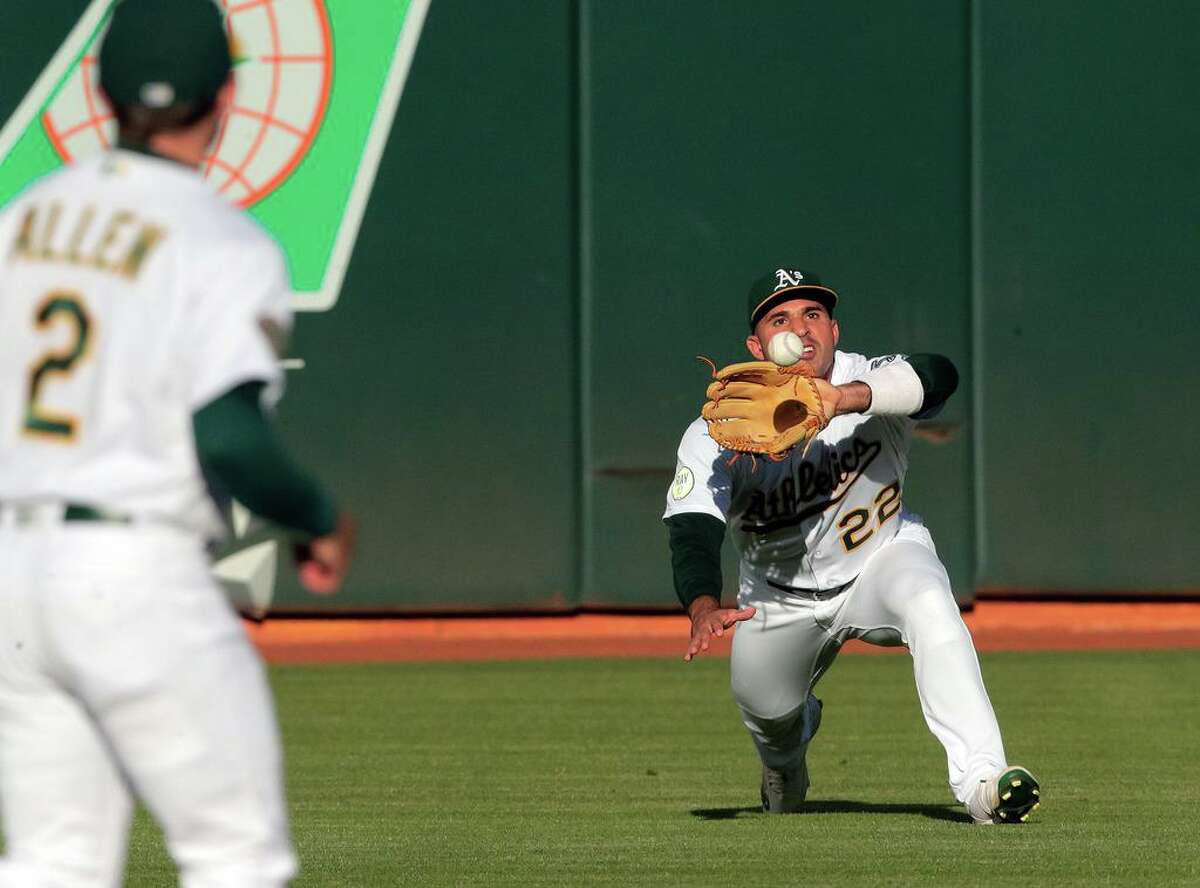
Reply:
x=285 y=65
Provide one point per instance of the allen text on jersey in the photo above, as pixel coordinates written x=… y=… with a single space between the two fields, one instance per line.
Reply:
x=116 y=242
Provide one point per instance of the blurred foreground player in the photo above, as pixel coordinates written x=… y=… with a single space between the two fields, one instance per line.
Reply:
x=141 y=320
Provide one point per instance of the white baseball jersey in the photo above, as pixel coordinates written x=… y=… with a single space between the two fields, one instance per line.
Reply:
x=130 y=296
x=807 y=521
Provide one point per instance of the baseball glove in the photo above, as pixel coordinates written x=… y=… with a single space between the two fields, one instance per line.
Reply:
x=760 y=407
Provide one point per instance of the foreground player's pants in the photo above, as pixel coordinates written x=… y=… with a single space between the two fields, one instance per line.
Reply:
x=902 y=596
x=123 y=670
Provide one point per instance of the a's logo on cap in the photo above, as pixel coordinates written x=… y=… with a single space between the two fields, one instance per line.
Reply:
x=157 y=94
x=787 y=278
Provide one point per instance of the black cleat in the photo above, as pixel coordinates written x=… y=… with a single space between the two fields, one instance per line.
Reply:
x=1017 y=795
x=783 y=792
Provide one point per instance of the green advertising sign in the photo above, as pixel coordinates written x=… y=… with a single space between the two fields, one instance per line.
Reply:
x=317 y=82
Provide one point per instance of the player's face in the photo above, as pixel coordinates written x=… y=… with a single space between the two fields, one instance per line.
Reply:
x=807 y=319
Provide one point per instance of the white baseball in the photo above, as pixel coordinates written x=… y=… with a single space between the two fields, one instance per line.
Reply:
x=785 y=348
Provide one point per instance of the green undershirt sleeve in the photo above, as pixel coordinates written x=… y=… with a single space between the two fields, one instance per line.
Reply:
x=696 y=555
x=239 y=449
x=939 y=378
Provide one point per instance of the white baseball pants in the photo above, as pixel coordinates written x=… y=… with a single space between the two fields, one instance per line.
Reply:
x=901 y=597
x=123 y=671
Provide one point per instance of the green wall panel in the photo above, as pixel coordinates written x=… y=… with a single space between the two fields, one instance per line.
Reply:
x=721 y=144
x=1089 y=212
x=425 y=386
x=26 y=44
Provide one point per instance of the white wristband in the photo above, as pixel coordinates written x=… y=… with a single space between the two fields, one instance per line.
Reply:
x=896 y=390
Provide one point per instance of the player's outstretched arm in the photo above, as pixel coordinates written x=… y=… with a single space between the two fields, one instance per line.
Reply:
x=237 y=447
x=916 y=386
x=695 y=539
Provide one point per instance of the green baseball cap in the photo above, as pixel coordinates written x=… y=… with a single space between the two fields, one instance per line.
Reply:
x=786 y=283
x=159 y=53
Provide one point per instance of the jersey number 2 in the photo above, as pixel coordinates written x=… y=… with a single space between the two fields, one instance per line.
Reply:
x=67 y=306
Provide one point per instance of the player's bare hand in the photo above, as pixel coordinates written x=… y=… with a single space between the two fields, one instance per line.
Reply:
x=709 y=621
x=323 y=562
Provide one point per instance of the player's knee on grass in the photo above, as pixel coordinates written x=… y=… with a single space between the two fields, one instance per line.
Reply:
x=782 y=739
x=768 y=699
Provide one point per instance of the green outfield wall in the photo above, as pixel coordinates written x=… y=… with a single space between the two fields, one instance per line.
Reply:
x=574 y=195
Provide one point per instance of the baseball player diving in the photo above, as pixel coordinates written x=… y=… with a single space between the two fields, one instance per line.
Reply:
x=141 y=322
x=801 y=455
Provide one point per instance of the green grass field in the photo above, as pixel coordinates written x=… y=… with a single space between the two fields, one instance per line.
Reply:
x=638 y=772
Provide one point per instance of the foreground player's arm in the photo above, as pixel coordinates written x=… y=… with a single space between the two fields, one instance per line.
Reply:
x=917 y=386
x=237 y=446
x=695 y=540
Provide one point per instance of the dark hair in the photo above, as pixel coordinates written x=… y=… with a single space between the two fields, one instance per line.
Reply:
x=137 y=123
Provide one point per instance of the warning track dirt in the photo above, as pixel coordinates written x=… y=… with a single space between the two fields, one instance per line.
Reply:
x=996 y=626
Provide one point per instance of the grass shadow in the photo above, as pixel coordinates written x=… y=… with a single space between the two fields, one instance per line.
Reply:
x=950 y=813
